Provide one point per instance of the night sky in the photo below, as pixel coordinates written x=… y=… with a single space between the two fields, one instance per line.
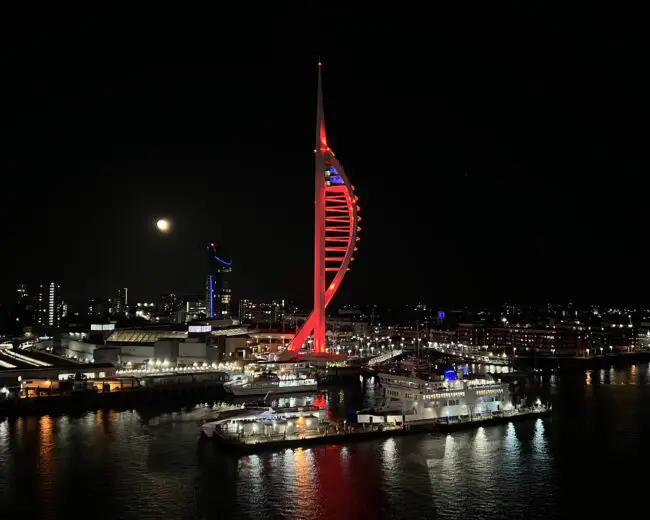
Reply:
x=497 y=153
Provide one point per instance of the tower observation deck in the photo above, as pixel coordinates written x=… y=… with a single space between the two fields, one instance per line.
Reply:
x=336 y=228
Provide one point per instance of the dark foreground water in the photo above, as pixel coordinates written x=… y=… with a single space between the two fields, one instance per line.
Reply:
x=589 y=459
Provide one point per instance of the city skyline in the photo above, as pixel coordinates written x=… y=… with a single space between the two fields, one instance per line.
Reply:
x=180 y=335
x=480 y=200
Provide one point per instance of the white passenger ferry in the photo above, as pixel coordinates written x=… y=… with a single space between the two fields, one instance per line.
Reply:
x=417 y=399
x=284 y=384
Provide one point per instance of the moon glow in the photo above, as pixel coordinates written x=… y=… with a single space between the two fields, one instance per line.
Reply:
x=163 y=225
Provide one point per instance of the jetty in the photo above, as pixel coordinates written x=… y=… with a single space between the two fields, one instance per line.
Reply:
x=253 y=432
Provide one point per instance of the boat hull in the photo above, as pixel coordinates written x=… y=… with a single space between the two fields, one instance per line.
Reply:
x=239 y=390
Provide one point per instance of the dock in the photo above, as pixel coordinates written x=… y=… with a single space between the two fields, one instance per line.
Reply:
x=72 y=402
x=330 y=433
x=522 y=415
x=266 y=443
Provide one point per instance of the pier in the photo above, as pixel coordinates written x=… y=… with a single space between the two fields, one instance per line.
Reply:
x=258 y=438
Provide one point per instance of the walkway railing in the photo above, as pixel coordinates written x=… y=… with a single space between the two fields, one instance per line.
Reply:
x=514 y=412
x=332 y=431
x=382 y=358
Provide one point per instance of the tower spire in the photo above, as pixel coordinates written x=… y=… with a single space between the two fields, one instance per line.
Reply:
x=321 y=136
x=319 y=222
x=335 y=234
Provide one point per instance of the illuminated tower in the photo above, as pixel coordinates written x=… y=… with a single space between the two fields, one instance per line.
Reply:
x=49 y=308
x=217 y=283
x=335 y=231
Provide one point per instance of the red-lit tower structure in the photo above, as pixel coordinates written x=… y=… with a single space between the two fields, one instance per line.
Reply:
x=336 y=227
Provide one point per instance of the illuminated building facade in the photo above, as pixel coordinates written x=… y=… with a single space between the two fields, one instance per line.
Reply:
x=218 y=294
x=121 y=302
x=49 y=307
x=195 y=307
x=261 y=312
x=335 y=232
x=643 y=336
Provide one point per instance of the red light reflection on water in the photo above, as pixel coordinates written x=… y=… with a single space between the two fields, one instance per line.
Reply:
x=346 y=490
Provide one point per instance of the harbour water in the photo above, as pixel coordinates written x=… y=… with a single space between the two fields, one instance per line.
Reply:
x=588 y=458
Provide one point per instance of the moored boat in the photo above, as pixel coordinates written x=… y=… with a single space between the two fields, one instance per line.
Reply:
x=271 y=383
x=412 y=398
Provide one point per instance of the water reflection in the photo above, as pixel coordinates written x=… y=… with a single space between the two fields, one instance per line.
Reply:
x=255 y=474
x=47 y=470
x=450 y=452
x=480 y=441
x=612 y=375
x=389 y=459
x=512 y=455
x=4 y=435
x=346 y=489
x=539 y=441
x=447 y=476
x=127 y=464
x=483 y=461
x=305 y=481
x=511 y=444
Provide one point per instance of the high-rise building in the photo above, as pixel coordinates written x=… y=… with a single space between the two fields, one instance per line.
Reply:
x=120 y=303
x=218 y=293
x=49 y=306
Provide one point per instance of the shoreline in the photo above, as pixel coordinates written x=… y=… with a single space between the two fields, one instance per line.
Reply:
x=153 y=396
x=81 y=401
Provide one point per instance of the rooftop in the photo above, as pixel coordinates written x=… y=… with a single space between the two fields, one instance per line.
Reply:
x=150 y=336
x=24 y=359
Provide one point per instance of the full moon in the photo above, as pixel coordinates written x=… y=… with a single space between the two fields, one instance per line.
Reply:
x=163 y=225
